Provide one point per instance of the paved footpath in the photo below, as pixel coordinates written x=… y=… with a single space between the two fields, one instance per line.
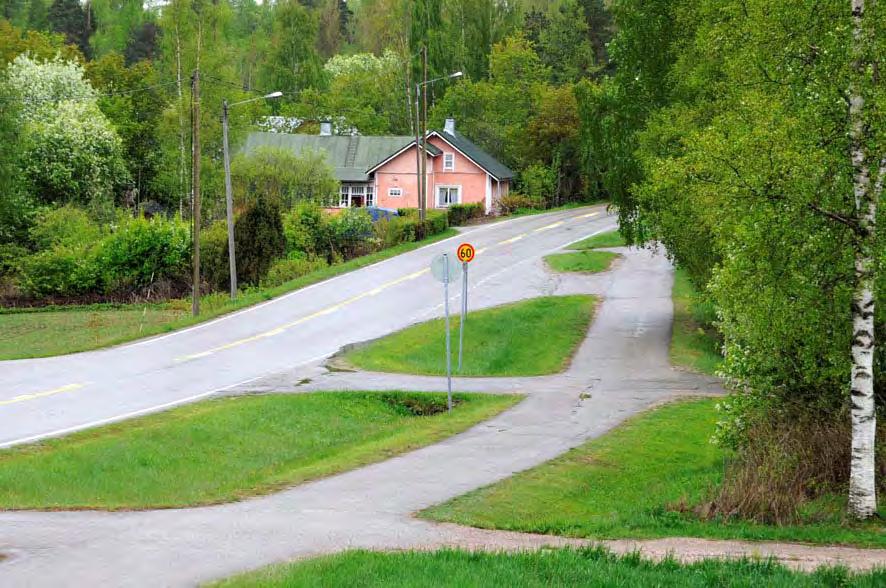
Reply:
x=620 y=369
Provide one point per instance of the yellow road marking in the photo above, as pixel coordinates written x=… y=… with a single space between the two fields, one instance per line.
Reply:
x=512 y=239
x=589 y=215
x=548 y=227
x=328 y=310
x=24 y=397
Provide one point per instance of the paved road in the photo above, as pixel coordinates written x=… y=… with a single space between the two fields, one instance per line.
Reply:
x=53 y=396
x=621 y=368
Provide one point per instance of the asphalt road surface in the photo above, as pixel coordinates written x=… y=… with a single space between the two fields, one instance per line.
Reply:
x=54 y=396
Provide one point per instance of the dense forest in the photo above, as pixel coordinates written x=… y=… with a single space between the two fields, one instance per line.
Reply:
x=747 y=138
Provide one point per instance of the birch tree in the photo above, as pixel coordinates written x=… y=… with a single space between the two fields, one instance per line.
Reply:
x=866 y=165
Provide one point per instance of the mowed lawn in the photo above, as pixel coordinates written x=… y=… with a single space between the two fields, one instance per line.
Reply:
x=546 y=568
x=588 y=262
x=641 y=480
x=694 y=343
x=228 y=449
x=61 y=330
x=528 y=338
x=610 y=239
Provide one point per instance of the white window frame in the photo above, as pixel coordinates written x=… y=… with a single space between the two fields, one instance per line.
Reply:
x=344 y=196
x=449 y=190
x=395 y=192
x=369 y=199
x=449 y=161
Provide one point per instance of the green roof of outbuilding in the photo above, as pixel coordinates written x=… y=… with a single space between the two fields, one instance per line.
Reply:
x=350 y=156
x=494 y=167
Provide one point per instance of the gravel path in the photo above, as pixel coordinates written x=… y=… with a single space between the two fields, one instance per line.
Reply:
x=621 y=369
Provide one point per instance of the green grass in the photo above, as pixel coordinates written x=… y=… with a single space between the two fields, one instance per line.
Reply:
x=634 y=482
x=547 y=568
x=61 y=330
x=695 y=344
x=228 y=449
x=500 y=341
x=610 y=239
x=589 y=262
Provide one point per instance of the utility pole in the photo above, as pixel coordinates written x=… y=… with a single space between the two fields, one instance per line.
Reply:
x=195 y=195
x=424 y=137
x=229 y=202
x=421 y=210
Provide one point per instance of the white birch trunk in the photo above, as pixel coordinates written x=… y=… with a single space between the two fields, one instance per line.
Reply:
x=862 y=482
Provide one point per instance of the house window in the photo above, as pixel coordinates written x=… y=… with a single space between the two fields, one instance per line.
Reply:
x=449 y=162
x=370 y=195
x=344 y=200
x=447 y=195
x=395 y=192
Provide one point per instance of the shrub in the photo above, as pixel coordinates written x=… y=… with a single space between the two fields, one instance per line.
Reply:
x=214 y=263
x=60 y=271
x=436 y=221
x=142 y=252
x=539 y=182
x=307 y=229
x=511 y=203
x=459 y=214
x=396 y=230
x=351 y=231
x=285 y=270
x=284 y=178
x=11 y=256
x=66 y=225
x=259 y=240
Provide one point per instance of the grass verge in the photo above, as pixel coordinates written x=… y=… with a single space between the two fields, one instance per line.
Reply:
x=227 y=449
x=500 y=341
x=59 y=330
x=589 y=262
x=551 y=567
x=641 y=480
x=610 y=239
x=695 y=344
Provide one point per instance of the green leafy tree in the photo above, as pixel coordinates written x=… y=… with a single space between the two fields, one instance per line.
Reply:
x=74 y=21
x=565 y=45
x=293 y=64
x=283 y=178
x=259 y=239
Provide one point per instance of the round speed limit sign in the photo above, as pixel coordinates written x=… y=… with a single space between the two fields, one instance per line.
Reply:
x=466 y=252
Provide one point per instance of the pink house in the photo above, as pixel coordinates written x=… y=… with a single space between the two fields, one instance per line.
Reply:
x=381 y=171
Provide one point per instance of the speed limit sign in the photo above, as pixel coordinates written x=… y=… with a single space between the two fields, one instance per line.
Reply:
x=466 y=252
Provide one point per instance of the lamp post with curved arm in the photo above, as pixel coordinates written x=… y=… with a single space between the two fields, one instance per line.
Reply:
x=229 y=196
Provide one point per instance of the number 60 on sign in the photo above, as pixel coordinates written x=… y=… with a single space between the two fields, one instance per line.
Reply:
x=466 y=252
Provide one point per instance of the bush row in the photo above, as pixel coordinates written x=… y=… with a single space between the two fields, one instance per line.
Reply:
x=77 y=258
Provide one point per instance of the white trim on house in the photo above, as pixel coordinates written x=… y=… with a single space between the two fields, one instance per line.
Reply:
x=449 y=161
x=396 y=155
x=449 y=189
x=488 y=193
x=442 y=138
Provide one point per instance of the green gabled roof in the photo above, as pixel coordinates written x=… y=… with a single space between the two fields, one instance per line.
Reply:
x=494 y=167
x=350 y=156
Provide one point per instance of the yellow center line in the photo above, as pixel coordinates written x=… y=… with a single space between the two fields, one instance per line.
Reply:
x=589 y=215
x=512 y=239
x=328 y=310
x=35 y=395
x=548 y=227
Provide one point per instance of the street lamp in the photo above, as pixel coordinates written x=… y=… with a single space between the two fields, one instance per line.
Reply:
x=420 y=157
x=229 y=196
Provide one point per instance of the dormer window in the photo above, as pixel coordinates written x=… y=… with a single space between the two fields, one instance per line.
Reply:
x=449 y=162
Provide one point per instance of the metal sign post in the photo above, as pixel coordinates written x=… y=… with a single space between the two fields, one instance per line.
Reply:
x=446 y=271
x=466 y=253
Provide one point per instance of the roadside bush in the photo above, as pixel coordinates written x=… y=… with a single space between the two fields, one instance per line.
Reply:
x=539 y=182
x=307 y=229
x=214 y=264
x=66 y=225
x=283 y=177
x=511 y=203
x=351 y=231
x=60 y=271
x=396 y=230
x=143 y=252
x=285 y=270
x=459 y=214
x=259 y=240
x=436 y=221
x=11 y=256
